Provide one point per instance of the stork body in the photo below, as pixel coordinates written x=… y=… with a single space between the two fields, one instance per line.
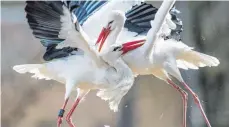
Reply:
x=82 y=68
x=137 y=23
x=116 y=31
x=79 y=71
x=166 y=55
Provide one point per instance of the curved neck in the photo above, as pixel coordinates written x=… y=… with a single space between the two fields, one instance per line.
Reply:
x=91 y=52
x=122 y=69
x=156 y=25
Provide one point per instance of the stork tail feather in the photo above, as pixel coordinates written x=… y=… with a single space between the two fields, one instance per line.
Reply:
x=111 y=96
x=194 y=60
x=36 y=69
x=114 y=96
x=208 y=60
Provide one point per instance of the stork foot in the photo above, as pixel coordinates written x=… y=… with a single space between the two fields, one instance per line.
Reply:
x=59 y=121
x=69 y=121
x=69 y=115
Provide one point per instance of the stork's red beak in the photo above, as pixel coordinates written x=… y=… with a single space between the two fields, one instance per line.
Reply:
x=102 y=37
x=128 y=46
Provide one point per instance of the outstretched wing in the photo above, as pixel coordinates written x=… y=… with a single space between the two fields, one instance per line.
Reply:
x=56 y=24
x=44 y=19
x=94 y=24
x=84 y=9
x=138 y=24
x=48 y=18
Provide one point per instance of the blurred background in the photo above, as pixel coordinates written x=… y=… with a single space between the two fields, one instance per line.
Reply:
x=28 y=102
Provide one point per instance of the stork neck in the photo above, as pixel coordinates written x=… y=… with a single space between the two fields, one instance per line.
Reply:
x=158 y=22
x=150 y=41
x=90 y=52
x=122 y=68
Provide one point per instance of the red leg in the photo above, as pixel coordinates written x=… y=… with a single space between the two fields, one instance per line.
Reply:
x=61 y=113
x=68 y=117
x=81 y=94
x=197 y=101
x=184 y=96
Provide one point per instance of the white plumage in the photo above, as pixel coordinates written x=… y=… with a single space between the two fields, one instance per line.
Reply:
x=173 y=53
x=84 y=75
x=162 y=58
x=157 y=56
x=84 y=71
x=101 y=17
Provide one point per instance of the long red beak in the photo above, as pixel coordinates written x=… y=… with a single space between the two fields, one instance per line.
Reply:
x=102 y=37
x=128 y=46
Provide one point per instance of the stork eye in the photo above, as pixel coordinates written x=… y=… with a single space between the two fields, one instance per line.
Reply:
x=116 y=48
x=110 y=22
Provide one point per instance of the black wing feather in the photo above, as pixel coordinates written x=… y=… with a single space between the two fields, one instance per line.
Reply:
x=139 y=16
x=83 y=9
x=44 y=19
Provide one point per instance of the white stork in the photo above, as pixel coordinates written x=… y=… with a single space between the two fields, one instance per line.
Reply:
x=161 y=54
x=79 y=67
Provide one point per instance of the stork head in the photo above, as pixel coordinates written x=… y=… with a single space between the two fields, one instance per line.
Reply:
x=112 y=29
x=116 y=20
x=114 y=51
